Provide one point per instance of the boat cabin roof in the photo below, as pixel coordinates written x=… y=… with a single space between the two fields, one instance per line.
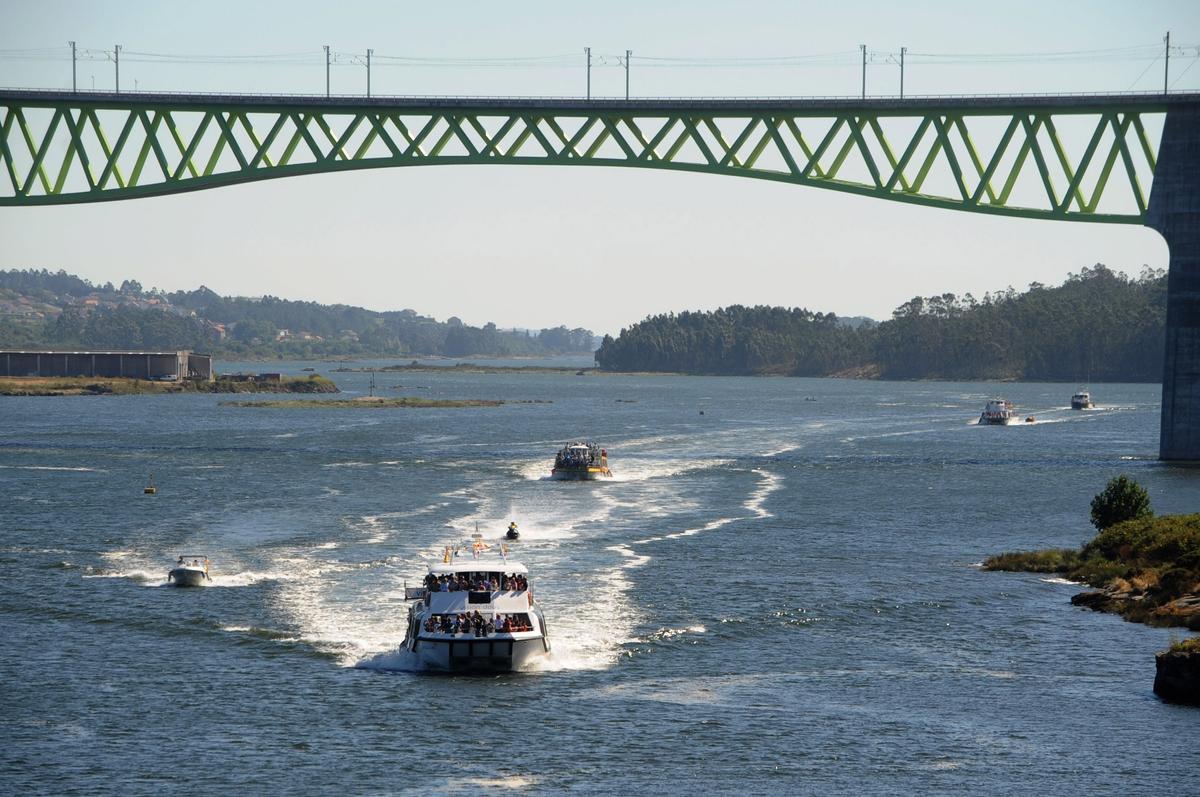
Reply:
x=481 y=565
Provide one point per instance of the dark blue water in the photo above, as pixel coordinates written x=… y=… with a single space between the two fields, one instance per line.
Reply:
x=778 y=595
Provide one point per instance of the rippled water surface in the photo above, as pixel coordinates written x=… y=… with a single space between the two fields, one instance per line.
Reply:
x=777 y=593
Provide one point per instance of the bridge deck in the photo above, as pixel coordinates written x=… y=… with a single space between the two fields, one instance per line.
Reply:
x=983 y=103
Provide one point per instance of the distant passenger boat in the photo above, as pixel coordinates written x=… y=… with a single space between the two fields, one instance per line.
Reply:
x=581 y=462
x=190 y=571
x=998 y=412
x=1082 y=401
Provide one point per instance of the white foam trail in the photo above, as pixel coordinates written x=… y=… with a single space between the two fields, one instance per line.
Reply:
x=476 y=785
x=262 y=633
x=1057 y=580
x=149 y=578
x=53 y=468
x=642 y=470
x=400 y=660
x=589 y=634
x=245 y=579
x=344 y=618
x=671 y=633
x=771 y=483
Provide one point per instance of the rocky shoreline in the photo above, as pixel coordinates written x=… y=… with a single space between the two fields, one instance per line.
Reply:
x=1177 y=673
x=119 y=386
x=1139 y=607
x=1145 y=569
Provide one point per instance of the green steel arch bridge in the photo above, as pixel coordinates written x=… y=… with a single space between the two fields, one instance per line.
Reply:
x=1111 y=159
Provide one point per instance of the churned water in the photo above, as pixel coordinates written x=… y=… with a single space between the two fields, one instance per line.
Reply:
x=778 y=593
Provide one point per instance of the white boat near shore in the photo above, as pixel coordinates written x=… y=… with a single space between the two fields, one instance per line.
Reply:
x=475 y=612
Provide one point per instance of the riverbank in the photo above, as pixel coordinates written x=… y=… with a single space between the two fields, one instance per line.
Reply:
x=116 y=386
x=375 y=402
x=468 y=368
x=1145 y=570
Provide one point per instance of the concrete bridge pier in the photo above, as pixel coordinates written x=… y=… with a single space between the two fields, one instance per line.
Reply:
x=1174 y=212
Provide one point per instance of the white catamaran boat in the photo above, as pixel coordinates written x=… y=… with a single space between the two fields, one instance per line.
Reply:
x=1082 y=400
x=190 y=571
x=475 y=612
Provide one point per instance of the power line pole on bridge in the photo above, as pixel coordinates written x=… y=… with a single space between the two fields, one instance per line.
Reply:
x=1166 y=61
x=326 y=70
x=74 y=86
x=588 y=52
x=117 y=61
x=903 y=50
x=863 y=47
x=369 y=51
x=627 y=54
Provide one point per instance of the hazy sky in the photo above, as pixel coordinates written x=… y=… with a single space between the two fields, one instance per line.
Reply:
x=599 y=248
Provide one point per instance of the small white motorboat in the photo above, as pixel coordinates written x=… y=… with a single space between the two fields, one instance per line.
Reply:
x=190 y=571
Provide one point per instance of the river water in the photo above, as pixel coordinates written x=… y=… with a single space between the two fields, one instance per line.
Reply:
x=777 y=593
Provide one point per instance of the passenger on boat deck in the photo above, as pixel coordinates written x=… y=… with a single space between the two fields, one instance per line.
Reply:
x=476 y=582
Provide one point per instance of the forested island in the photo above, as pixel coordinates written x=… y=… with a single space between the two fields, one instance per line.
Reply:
x=1099 y=325
x=43 y=309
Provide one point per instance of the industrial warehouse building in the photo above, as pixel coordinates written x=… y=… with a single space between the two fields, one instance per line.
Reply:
x=158 y=365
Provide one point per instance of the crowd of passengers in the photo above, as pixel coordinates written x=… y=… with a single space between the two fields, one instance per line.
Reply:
x=475 y=623
x=475 y=582
x=575 y=457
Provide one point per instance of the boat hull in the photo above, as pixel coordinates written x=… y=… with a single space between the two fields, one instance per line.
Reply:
x=986 y=421
x=187 y=577
x=479 y=654
x=580 y=474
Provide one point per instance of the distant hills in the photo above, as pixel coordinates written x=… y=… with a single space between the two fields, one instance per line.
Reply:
x=61 y=310
x=1099 y=325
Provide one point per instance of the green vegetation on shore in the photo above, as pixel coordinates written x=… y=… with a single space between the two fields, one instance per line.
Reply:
x=1189 y=645
x=372 y=402
x=40 y=309
x=1146 y=568
x=1097 y=325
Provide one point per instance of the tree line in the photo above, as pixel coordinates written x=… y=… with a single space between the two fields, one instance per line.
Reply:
x=254 y=326
x=1098 y=325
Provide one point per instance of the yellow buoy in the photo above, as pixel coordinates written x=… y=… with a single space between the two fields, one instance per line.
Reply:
x=150 y=489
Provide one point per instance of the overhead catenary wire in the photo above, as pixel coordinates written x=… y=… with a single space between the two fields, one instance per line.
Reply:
x=1147 y=52
x=1185 y=71
x=1138 y=79
x=338 y=60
